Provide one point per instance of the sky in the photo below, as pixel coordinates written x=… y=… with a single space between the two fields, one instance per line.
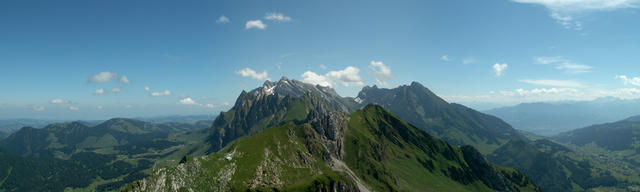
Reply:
x=78 y=59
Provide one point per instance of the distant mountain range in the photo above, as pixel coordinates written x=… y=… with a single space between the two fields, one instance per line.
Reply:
x=553 y=118
x=8 y=126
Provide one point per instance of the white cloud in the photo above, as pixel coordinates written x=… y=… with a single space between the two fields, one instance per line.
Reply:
x=60 y=101
x=583 y=5
x=255 y=24
x=146 y=88
x=499 y=68
x=277 y=17
x=124 y=79
x=99 y=91
x=226 y=104
x=564 y=64
x=73 y=108
x=190 y=101
x=381 y=72
x=322 y=66
x=116 y=90
x=247 y=72
x=223 y=19
x=552 y=82
x=103 y=77
x=162 y=93
x=128 y=106
x=187 y=101
x=347 y=77
x=468 y=61
x=629 y=80
x=445 y=58
x=314 y=78
x=564 y=10
x=38 y=108
x=567 y=21
x=520 y=95
x=99 y=106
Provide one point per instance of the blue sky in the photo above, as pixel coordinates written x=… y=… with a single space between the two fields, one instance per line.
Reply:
x=67 y=59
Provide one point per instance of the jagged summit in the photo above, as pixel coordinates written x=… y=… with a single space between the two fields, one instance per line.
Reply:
x=291 y=87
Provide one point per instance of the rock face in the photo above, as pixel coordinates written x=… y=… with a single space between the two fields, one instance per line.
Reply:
x=272 y=104
x=369 y=150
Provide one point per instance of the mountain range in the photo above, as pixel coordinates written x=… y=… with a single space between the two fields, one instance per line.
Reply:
x=290 y=135
x=380 y=153
x=555 y=117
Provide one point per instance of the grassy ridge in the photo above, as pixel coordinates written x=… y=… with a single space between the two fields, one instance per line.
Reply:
x=381 y=152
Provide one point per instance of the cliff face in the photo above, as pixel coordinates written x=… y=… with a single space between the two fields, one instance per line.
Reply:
x=271 y=105
x=369 y=150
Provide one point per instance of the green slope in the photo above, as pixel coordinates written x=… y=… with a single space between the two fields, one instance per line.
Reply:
x=98 y=158
x=379 y=152
x=453 y=123
x=557 y=168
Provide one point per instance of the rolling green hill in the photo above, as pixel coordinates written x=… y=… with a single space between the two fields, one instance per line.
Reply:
x=616 y=136
x=558 y=168
x=74 y=156
x=378 y=152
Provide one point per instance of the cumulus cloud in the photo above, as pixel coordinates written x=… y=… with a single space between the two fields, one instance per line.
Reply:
x=60 y=101
x=629 y=80
x=116 y=90
x=99 y=91
x=187 y=101
x=190 y=101
x=124 y=79
x=564 y=10
x=277 y=17
x=564 y=64
x=146 y=88
x=445 y=58
x=38 y=108
x=314 y=78
x=223 y=19
x=247 y=72
x=381 y=72
x=347 y=77
x=162 y=93
x=73 y=108
x=107 y=76
x=103 y=77
x=255 y=24
x=499 y=68
x=552 y=82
